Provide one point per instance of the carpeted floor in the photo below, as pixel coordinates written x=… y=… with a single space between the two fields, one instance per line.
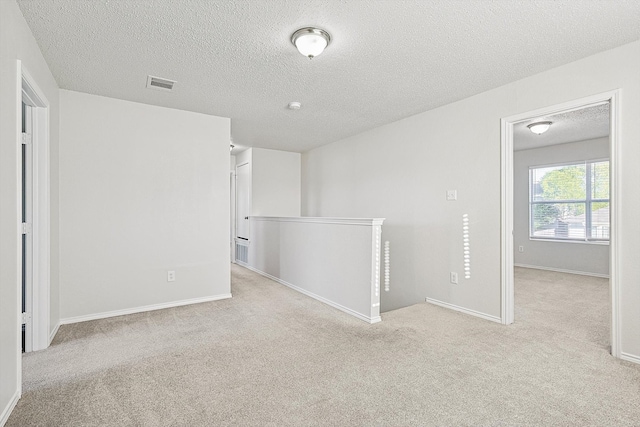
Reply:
x=274 y=357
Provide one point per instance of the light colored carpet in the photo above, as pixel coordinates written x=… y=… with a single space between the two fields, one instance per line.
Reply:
x=274 y=357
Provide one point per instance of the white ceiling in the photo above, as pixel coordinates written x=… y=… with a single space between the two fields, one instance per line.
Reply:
x=578 y=125
x=387 y=60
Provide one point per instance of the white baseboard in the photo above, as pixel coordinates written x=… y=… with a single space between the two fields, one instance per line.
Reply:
x=360 y=316
x=53 y=333
x=630 y=357
x=464 y=310
x=560 y=270
x=142 y=309
x=9 y=408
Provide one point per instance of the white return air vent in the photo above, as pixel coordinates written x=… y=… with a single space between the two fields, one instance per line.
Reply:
x=242 y=253
x=160 y=83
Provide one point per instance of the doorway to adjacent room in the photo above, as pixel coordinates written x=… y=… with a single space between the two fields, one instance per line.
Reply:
x=566 y=228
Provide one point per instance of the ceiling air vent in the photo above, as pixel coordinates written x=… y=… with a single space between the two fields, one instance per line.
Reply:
x=159 y=83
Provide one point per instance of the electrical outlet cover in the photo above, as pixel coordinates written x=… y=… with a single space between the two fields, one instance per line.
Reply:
x=453 y=278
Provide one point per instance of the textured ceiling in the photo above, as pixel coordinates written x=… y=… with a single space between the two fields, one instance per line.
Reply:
x=387 y=60
x=578 y=125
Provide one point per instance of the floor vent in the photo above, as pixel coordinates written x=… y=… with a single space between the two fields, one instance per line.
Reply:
x=242 y=253
x=159 y=83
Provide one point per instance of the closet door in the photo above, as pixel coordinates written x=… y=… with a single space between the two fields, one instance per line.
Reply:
x=243 y=190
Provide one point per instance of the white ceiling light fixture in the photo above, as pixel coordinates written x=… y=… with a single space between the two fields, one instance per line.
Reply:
x=539 y=127
x=295 y=105
x=311 y=41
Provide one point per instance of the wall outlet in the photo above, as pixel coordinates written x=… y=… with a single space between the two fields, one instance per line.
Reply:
x=453 y=278
x=520 y=248
x=452 y=195
x=171 y=276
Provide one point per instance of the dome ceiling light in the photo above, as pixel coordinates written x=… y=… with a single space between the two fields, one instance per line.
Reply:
x=311 y=41
x=539 y=127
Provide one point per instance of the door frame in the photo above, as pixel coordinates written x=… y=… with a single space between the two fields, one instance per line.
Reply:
x=39 y=300
x=232 y=228
x=26 y=208
x=248 y=164
x=507 y=303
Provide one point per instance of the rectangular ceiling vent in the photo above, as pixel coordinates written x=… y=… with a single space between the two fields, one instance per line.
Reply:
x=160 y=84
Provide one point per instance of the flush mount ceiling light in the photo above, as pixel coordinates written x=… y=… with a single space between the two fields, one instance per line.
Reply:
x=295 y=105
x=310 y=41
x=539 y=127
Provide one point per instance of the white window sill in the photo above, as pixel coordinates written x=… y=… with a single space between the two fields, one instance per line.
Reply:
x=582 y=242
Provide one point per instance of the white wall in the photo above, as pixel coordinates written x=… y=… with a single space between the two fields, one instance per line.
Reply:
x=401 y=171
x=274 y=185
x=578 y=257
x=275 y=181
x=243 y=157
x=17 y=43
x=330 y=259
x=143 y=190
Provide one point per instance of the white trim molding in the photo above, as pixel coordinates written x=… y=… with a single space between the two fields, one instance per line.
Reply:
x=322 y=220
x=360 y=316
x=53 y=333
x=376 y=235
x=614 y=209
x=9 y=408
x=560 y=270
x=630 y=357
x=507 y=307
x=39 y=300
x=243 y=264
x=481 y=315
x=142 y=309
x=506 y=233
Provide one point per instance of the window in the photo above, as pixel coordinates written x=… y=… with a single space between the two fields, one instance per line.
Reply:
x=570 y=202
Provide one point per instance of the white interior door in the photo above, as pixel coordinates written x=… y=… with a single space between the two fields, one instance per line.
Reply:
x=243 y=190
x=36 y=213
x=232 y=228
x=27 y=235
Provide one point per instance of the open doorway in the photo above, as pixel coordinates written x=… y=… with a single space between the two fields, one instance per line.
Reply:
x=559 y=202
x=561 y=223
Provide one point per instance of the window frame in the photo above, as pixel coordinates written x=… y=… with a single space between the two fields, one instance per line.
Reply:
x=588 y=201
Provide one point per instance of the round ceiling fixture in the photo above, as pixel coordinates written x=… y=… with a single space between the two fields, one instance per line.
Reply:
x=311 y=41
x=539 y=127
x=295 y=105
